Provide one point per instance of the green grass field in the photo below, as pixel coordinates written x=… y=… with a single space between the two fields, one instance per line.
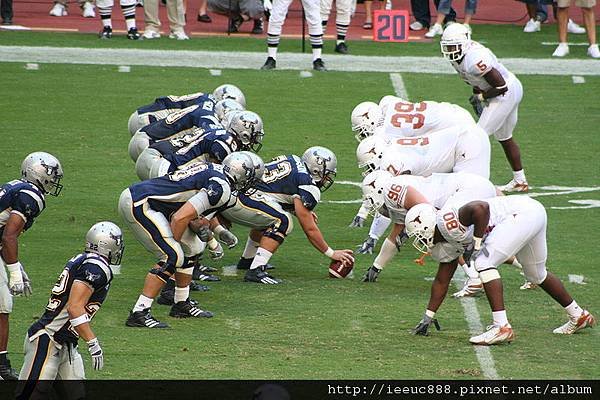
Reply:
x=311 y=326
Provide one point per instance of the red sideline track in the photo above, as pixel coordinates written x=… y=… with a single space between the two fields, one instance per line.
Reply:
x=33 y=14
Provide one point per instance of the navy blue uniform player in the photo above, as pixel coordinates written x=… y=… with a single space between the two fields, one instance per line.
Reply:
x=159 y=212
x=21 y=202
x=296 y=183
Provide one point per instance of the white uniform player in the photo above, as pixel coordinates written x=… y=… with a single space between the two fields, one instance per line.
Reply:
x=315 y=31
x=498 y=93
x=343 y=15
x=506 y=225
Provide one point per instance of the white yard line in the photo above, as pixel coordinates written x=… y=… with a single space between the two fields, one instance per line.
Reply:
x=569 y=43
x=398 y=84
x=285 y=61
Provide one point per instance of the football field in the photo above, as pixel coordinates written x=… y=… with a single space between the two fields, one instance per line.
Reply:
x=310 y=327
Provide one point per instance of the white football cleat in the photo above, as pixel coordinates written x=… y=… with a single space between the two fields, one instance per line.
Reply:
x=561 y=50
x=572 y=326
x=532 y=26
x=88 y=10
x=435 y=30
x=528 y=286
x=515 y=186
x=472 y=288
x=179 y=35
x=572 y=27
x=593 y=51
x=416 y=26
x=494 y=335
x=58 y=10
x=149 y=34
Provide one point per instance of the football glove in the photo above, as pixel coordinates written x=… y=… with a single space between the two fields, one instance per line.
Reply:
x=478 y=103
x=228 y=239
x=27 y=290
x=357 y=222
x=423 y=326
x=15 y=279
x=96 y=353
x=204 y=233
x=215 y=250
x=367 y=246
x=371 y=274
x=401 y=239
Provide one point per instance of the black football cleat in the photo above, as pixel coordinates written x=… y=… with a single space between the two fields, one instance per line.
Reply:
x=269 y=64
x=260 y=275
x=106 y=33
x=143 y=319
x=234 y=24
x=196 y=287
x=133 y=34
x=185 y=309
x=202 y=270
x=341 y=48
x=257 y=29
x=319 y=65
x=7 y=373
x=208 y=278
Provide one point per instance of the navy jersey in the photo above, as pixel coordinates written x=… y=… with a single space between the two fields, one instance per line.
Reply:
x=286 y=178
x=92 y=270
x=181 y=122
x=168 y=193
x=178 y=102
x=23 y=198
x=197 y=146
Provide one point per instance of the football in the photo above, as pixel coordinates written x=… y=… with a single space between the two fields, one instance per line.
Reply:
x=338 y=269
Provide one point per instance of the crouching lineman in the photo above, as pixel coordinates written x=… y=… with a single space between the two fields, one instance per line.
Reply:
x=159 y=212
x=51 y=342
x=296 y=184
x=490 y=230
x=21 y=202
x=163 y=106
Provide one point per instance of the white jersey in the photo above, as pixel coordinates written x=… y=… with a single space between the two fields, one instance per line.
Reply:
x=478 y=61
x=421 y=155
x=405 y=119
x=438 y=189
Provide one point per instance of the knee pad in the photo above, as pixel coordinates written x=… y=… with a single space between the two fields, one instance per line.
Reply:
x=275 y=235
x=164 y=271
x=186 y=271
x=489 y=275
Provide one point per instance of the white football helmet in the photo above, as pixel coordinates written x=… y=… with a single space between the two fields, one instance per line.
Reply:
x=229 y=91
x=420 y=223
x=44 y=171
x=373 y=188
x=369 y=154
x=225 y=107
x=106 y=239
x=365 y=118
x=455 y=41
x=239 y=169
x=259 y=165
x=247 y=127
x=321 y=164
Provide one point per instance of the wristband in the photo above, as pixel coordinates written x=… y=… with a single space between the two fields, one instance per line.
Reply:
x=218 y=229
x=82 y=319
x=14 y=267
x=213 y=244
x=477 y=243
x=329 y=252
x=430 y=313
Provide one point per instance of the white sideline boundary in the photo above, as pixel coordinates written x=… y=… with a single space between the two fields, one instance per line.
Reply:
x=285 y=61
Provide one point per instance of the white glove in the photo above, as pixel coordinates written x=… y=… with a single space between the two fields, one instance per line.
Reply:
x=27 y=290
x=96 y=353
x=15 y=279
x=228 y=238
x=215 y=250
x=357 y=222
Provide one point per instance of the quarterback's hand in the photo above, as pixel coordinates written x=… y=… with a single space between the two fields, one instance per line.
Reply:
x=344 y=256
x=96 y=353
x=371 y=274
x=423 y=326
x=357 y=222
x=215 y=250
x=367 y=246
x=478 y=103
x=228 y=239
x=15 y=279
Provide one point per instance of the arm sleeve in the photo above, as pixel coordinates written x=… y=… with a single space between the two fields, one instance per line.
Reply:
x=212 y=199
x=310 y=196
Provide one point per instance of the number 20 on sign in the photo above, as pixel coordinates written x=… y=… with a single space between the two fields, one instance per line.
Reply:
x=390 y=26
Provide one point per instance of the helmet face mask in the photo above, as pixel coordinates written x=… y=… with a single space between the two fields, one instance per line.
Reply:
x=455 y=40
x=259 y=169
x=240 y=171
x=106 y=239
x=369 y=154
x=43 y=170
x=247 y=127
x=321 y=164
x=420 y=223
x=365 y=118
x=373 y=188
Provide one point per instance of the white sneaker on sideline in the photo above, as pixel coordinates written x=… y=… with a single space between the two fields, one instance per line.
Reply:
x=532 y=26
x=58 y=10
x=593 y=51
x=435 y=30
x=416 y=26
x=561 y=50
x=572 y=27
x=179 y=35
x=149 y=34
x=572 y=326
x=88 y=10
x=494 y=335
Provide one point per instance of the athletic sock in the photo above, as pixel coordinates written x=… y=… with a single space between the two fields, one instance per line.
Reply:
x=499 y=318
x=519 y=175
x=262 y=258
x=316 y=42
x=573 y=310
x=129 y=14
x=142 y=303
x=272 y=43
x=105 y=14
x=250 y=249
x=341 y=33
x=181 y=294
